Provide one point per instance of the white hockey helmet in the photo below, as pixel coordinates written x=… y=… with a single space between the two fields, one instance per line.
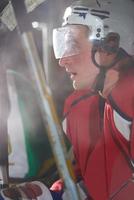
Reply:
x=104 y=17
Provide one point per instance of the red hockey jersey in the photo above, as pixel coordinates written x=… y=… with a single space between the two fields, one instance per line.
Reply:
x=101 y=132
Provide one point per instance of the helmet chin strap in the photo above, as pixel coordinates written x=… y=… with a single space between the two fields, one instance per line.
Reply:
x=100 y=79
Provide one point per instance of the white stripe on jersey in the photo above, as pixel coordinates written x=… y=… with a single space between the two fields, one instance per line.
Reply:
x=64 y=125
x=122 y=125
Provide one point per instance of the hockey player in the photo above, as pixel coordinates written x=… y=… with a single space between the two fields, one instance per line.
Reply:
x=95 y=46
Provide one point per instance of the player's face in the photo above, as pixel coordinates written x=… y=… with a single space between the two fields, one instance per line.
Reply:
x=79 y=66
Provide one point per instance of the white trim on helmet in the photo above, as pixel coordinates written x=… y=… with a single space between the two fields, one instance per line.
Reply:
x=82 y=15
x=103 y=17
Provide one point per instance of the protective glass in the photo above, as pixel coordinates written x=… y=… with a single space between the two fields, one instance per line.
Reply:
x=64 y=42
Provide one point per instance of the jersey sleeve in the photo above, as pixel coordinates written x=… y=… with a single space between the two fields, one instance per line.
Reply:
x=121 y=100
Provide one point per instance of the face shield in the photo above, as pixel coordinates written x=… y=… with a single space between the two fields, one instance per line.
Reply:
x=65 y=42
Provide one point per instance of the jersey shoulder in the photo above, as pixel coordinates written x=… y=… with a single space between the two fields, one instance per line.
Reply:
x=123 y=94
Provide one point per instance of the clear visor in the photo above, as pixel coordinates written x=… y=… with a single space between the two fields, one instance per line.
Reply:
x=64 y=42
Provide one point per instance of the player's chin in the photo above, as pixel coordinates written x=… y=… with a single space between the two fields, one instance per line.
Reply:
x=79 y=85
